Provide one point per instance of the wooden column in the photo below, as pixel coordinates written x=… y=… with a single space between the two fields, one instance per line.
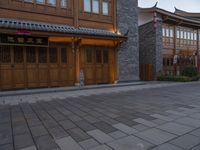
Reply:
x=76 y=48
x=198 y=46
x=175 y=40
x=116 y=67
x=76 y=8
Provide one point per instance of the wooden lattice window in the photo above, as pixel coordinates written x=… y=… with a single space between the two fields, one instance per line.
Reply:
x=42 y=52
x=30 y=55
x=18 y=54
x=105 y=56
x=53 y=55
x=63 y=55
x=89 y=55
x=5 y=55
x=98 y=56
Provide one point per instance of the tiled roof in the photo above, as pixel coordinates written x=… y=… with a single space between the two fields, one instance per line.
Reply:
x=41 y=26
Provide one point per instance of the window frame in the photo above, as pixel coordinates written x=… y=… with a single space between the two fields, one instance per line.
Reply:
x=90 y=6
x=66 y=3
x=103 y=1
x=40 y=3
x=98 y=9
x=51 y=5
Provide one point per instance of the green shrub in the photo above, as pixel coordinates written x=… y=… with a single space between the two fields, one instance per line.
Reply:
x=190 y=72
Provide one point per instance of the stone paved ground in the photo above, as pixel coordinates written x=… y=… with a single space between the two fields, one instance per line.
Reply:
x=164 y=118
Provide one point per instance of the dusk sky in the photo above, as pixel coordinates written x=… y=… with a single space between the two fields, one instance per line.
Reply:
x=187 y=5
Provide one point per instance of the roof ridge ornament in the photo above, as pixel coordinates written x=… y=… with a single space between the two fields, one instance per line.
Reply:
x=156 y=4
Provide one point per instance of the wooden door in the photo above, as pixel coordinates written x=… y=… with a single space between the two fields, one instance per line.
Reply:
x=102 y=65
x=19 y=67
x=105 y=67
x=98 y=66
x=31 y=67
x=64 y=66
x=89 y=65
x=70 y=67
x=54 y=67
x=43 y=70
x=5 y=68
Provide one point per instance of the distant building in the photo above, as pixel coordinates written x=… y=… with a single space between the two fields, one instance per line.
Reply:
x=168 y=42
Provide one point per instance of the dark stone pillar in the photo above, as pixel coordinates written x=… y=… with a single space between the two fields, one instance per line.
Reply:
x=150 y=40
x=128 y=54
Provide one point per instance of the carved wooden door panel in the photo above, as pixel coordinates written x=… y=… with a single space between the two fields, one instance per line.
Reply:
x=43 y=71
x=99 y=66
x=64 y=76
x=66 y=66
x=19 y=67
x=89 y=65
x=31 y=67
x=5 y=68
x=54 y=66
x=102 y=65
x=105 y=67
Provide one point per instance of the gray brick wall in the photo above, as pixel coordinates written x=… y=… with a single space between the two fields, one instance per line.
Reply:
x=128 y=54
x=150 y=45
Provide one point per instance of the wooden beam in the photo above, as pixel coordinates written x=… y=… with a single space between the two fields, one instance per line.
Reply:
x=99 y=42
x=60 y=39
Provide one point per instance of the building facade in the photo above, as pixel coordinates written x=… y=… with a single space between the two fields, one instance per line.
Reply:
x=169 y=42
x=52 y=43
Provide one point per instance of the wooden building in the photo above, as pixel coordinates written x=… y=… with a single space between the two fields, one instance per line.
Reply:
x=172 y=40
x=50 y=43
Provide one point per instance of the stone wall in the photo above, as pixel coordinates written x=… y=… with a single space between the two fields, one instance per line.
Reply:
x=128 y=54
x=150 y=45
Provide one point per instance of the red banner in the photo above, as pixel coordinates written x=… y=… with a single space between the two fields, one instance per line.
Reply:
x=23 y=32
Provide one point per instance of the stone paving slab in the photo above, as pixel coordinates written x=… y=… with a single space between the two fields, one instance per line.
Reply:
x=78 y=135
x=124 y=128
x=6 y=147
x=58 y=132
x=88 y=144
x=155 y=136
x=140 y=127
x=130 y=143
x=167 y=146
x=29 y=148
x=195 y=116
x=175 y=113
x=145 y=122
x=101 y=147
x=186 y=141
x=175 y=128
x=117 y=134
x=196 y=148
x=165 y=118
x=100 y=136
x=46 y=143
x=189 y=121
x=196 y=132
x=23 y=141
x=68 y=143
